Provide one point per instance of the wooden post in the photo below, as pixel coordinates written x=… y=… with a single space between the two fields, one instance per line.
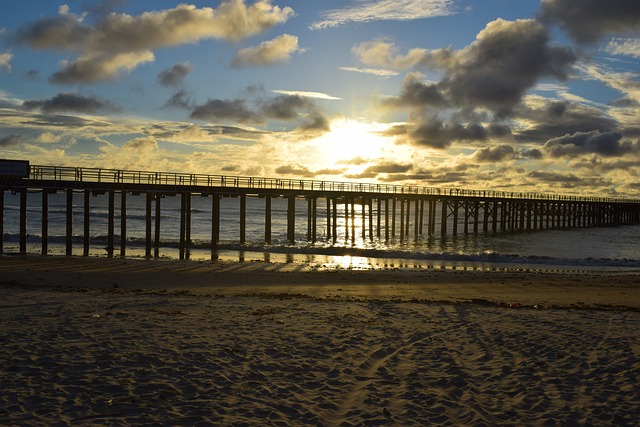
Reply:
x=494 y=218
x=353 y=220
x=386 y=220
x=86 y=223
x=364 y=219
x=111 y=223
x=183 y=222
x=378 y=219
x=215 y=225
x=123 y=223
x=370 y=205
x=309 y=217
x=416 y=218
x=243 y=219
x=455 y=217
x=443 y=223
x=45 y=222
x=346 y=219
x=334 y=215
x=328 y=219
x=23 y=221
x=69 y=236
x=156 y=239
x=485 y=217
x=148 y=222
x=291 y=220
x=314 y=220
x=1 y=220
x=393 y=218
x=187 y=225
x=401 y=220
x=267 y=219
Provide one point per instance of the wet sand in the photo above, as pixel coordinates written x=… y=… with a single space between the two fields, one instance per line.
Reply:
x=95 y=341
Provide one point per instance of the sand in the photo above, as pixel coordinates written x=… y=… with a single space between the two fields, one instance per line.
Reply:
x=95 y=341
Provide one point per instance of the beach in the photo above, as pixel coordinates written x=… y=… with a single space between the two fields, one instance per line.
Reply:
x=97 y=341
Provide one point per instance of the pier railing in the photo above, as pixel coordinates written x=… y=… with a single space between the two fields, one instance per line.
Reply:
x=116 y=176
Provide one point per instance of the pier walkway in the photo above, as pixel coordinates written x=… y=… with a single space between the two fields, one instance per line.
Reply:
x=384 y=211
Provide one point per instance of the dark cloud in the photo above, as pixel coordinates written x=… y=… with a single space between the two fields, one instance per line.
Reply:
x=417 y=94
x=567 y=179
x=500 y=66
x=434 y=133
x=590 y=20
x=494 y=154
x=388 y=168
x=282 y=107
x=548 y=119
x=175 y=75
x=305 y=172
x=101 y=8
x=181 y=99
x=11 y=141
x=223 y=109
x=71 y=102
x=606 y=144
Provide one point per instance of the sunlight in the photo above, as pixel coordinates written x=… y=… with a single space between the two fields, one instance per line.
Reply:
x=349 y=139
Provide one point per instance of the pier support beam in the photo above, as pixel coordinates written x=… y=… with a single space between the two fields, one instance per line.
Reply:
x=111 y=223
x=23 y=221
x=156 y=236
x=243 y=219
x=1 y=220
x=148 y=222
x=45 y=223
x=69 y=230
x=215 y=225
x=267 y=220
x=123 y=223
x=86 y=238
x=291 y=220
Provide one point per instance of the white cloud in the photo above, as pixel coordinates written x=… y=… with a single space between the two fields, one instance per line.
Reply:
x=268 y=53
x=5 y=61
x=316 y=95
x=385 y=10
x=374 y=71
x=627 y=47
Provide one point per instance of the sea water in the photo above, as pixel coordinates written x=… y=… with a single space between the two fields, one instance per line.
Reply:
x=353 y=246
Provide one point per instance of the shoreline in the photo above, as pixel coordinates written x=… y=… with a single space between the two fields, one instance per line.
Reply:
x=529 y=287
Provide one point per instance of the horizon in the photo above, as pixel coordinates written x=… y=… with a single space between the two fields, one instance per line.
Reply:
x=523 y=96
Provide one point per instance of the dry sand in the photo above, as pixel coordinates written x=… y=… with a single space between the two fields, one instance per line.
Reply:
x=94 y=341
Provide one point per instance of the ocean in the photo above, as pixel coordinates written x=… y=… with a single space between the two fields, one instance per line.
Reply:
x=610 y=248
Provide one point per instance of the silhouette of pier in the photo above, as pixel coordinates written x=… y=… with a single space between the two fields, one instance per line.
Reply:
x=384 y=211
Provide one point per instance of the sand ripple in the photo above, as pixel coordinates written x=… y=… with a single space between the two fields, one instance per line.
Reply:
x=127 y=358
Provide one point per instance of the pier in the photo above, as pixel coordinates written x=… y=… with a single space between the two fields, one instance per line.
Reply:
x=381 y=211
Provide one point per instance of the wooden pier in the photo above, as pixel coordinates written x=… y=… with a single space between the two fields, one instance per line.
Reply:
x=383 y=211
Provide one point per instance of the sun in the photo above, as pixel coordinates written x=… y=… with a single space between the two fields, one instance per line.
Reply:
x=350 y=139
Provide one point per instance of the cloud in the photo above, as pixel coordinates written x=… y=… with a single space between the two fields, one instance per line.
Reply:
x=494 y=154
x=224 y=109
x=5 y=61
x=383 y=54
x=71 y=102
x=434 y=133
x=122 y=42
x=316 y=95
x=385 y=10
x=291 y=108
x=589 y=20
x=11 y=141
x=267 y=53
x=627 y=47
x=373 y=71
x=477 y=77
x=606 y=144
x=174 y=76
x=180 y=99
x=540 y=119
x=298 y=170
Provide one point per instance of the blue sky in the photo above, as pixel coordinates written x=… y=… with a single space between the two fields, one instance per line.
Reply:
x=511 y=95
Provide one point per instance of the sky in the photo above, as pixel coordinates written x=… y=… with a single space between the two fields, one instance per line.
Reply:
x=535 y=96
